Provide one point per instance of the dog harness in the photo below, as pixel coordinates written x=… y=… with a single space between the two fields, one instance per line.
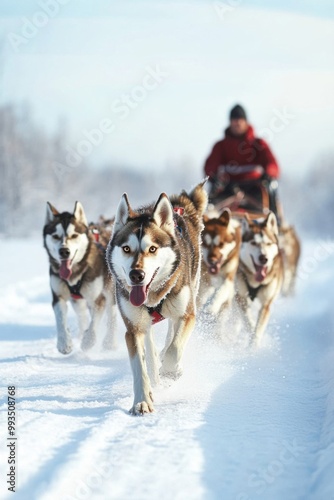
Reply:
x=179 y=210
x=75 y=290
x=96 y=235
x=252 y=292
x=155 y=313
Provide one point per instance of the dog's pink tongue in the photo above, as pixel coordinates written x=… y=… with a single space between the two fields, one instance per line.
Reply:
x=138 y=295
x=261 y=273
x=65 y=270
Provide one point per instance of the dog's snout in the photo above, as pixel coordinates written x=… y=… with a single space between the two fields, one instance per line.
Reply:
x=263 y=259
x=64 y=253
x=137 y=276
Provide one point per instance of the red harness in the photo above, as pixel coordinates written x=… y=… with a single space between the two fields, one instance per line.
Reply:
x=156 y=317
x=179 y=210
x=96 y=235
x=155 y=313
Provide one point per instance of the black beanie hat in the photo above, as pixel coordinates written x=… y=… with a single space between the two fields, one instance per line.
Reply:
x=238 y=112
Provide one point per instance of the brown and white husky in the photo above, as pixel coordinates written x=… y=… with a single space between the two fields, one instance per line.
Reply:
x=154 y=256
x=221 y=240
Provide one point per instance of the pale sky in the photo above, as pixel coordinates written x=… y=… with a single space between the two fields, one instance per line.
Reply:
x=276 y=60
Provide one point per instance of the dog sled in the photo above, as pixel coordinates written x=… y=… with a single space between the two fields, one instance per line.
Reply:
x=253 y=194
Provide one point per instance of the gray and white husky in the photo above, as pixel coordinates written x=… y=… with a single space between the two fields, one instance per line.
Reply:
x=154 y=255
x=79 y=274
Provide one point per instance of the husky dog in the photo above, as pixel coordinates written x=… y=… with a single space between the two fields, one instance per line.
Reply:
x=154 y=255
x=221 y=239
x=290 y=246
x=78 y=273
x=260 y=272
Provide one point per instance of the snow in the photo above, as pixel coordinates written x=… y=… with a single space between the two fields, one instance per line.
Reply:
x=238 y=425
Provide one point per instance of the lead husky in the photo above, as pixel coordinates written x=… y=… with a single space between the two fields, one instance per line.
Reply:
x=154 y=255
x=78 y=273
x=260 y=272
x=221 y=239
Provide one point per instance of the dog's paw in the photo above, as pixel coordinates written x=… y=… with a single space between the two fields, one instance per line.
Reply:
x=143 y=407
x=64 y=345
x=88 y=340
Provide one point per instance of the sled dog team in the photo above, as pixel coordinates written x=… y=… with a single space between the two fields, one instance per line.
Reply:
x=163 y=261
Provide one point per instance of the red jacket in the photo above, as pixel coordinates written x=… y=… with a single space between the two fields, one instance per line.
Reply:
x=235 y=151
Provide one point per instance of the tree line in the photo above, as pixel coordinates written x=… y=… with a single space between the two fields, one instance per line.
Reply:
x=33 y=171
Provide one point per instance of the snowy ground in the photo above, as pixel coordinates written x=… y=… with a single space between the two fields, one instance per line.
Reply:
x=237 y=426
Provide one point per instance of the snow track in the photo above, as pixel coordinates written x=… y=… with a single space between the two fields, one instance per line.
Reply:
x=238 y=425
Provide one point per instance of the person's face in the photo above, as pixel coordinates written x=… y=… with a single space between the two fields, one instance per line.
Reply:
x=238 y=126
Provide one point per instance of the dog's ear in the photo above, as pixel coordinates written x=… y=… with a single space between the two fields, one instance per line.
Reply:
x=51 y=212
x=225 y=216
x=245 y=223
x=122 y=214
x=271 y=223
x=199 y=197
x=79 y=213
x=163 y=214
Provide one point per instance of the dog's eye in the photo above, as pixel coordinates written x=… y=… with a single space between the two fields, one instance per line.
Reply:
x=221 y=245
x=56 y=237
x=126 y=249
x=253 y=243
x=152 y=249
x=74 y=236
